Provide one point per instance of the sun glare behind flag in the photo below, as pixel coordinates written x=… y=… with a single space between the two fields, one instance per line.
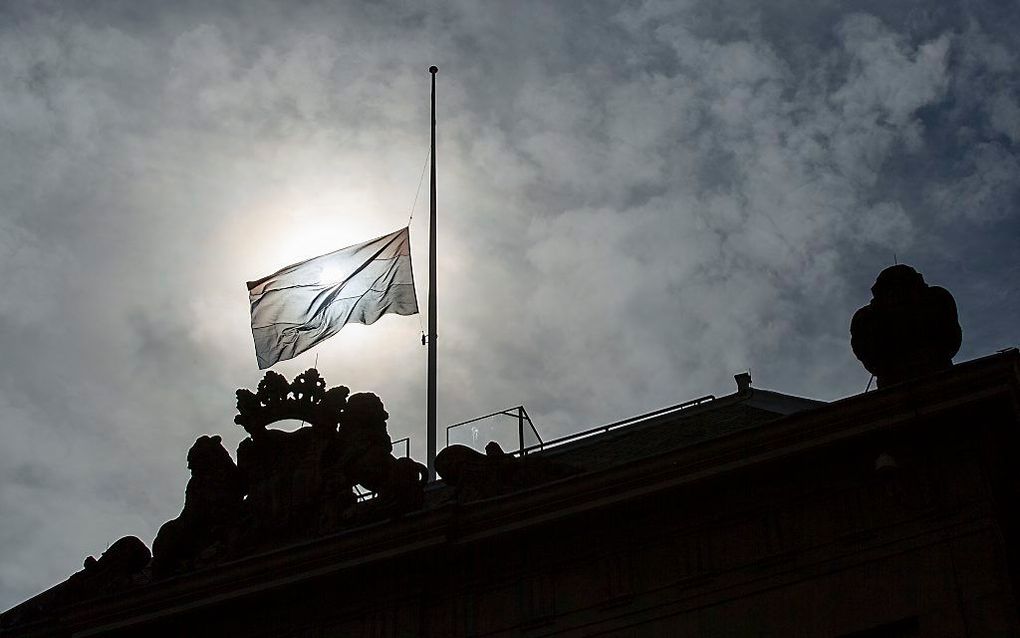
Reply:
x=300 y=305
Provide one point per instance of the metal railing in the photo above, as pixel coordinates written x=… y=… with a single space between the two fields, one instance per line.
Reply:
x=406 y=441
x=647 y=416
x=525 y=427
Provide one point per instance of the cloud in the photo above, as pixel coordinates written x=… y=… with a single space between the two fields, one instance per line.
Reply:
x=635 y=203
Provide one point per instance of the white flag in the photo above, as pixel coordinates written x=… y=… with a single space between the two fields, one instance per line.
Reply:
x=297 y=307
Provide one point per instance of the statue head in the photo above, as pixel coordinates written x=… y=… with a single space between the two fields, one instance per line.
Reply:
x=207 y=454
x=897 y=283
x=364 y=408
x=908 y=329
x=126 y=556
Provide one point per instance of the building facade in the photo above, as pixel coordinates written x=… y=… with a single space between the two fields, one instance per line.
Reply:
x=888 y=514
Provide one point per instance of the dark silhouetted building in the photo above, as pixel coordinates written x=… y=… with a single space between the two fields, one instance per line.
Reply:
x=887 y=514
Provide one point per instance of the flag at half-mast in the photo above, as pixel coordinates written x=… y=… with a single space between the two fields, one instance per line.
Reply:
x=300 y=305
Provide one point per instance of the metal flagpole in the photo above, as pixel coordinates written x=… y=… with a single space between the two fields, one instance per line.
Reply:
x=431 y=436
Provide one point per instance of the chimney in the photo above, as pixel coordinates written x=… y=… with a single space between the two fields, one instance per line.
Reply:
x=743 y=382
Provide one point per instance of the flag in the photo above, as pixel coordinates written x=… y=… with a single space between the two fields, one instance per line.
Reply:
x=297 y=307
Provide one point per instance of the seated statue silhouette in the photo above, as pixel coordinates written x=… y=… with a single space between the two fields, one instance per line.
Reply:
x=286 y=485
x=474 y=475
x=122 y=566
x=367 y=458
x=909 y=328
x=212 y=508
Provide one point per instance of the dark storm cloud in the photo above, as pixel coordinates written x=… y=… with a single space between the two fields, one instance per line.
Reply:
x=637 y=200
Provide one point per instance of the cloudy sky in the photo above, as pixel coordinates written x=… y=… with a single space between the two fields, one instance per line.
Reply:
x=637 y=200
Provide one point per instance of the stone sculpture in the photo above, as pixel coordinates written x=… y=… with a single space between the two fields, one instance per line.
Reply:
x=475 y=475
x=286 y=485
x=212 y=506
x=304 y=479
x=909 y=328
x=367 y=459
x=121 y=566
x=115 y=569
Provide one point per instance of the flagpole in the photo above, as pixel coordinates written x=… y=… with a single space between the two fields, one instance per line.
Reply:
x=431 y=436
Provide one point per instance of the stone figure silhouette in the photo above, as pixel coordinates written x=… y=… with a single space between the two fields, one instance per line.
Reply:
x=367 y=458
x=475 y=475
x=292 y=477
x=907 y=330
x=115 y=569
x=212 y=506
x=120 y=567
x=286 y=485
x=304 y=479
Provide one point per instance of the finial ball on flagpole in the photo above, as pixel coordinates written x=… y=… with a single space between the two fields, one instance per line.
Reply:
x=433 y=69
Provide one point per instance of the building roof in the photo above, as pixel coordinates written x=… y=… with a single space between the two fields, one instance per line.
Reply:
x=641 y=438
x=613 y=463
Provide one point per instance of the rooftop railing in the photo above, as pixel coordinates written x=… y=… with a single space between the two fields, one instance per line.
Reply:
x=634 y=420
x=516 y=433
x=477 y=432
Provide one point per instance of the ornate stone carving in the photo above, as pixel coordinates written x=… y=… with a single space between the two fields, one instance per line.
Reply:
x=117 y=568
x=287 y=478
x=303 y=480
x=212 y=508
x=120 y=567
x=285 y=486
x=306 y=399
x=366 y=455
x=475 y=475
x=909 y=328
